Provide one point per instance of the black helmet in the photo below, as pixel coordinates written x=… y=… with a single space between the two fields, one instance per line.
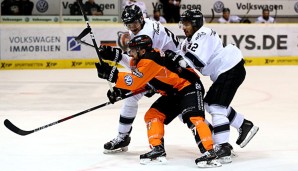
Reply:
x=131 y=13
x=195 y=16
x=141 y=42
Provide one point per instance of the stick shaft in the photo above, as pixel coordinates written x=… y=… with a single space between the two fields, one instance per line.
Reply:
x=19 y=131
x=92 y=37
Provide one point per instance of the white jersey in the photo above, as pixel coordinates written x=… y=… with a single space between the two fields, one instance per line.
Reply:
x=140 y=4
x=162 y=38
x=206 y=53
x=262 y=20
x=232 y=19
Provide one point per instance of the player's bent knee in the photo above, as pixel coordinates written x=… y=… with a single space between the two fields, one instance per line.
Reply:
x=215 y=109
x=153 y=113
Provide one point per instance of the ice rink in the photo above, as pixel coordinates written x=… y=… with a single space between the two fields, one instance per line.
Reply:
x=33 y=98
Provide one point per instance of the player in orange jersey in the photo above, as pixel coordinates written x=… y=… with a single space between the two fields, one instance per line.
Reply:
x=182 y=93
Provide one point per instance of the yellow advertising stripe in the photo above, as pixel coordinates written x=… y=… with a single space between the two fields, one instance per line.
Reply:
x=50 y=64
x=272 y=60
x=89 y=63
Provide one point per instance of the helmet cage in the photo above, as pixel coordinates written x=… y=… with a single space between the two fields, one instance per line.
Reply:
x=194 y=16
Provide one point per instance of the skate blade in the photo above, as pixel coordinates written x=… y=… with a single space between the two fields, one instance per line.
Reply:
x=212 y=163
x=159 y=160
x=225 y=160
x=251 y=133
x=118 y=150
x=233 y=154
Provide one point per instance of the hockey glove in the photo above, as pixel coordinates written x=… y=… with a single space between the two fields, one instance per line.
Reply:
x=116 y=94
x=177 y=59
x=150 y=91
x=111 y=54
x=105 y=71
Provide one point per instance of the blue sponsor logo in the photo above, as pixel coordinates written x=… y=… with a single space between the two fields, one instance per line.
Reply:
x=128 y=80
x=72 y=44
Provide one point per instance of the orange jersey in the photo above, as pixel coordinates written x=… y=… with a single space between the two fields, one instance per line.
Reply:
x=151 y=69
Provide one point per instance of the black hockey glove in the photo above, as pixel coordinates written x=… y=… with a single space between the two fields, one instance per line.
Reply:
x=109 y=53
x=105 y=71
x=177 y=59
x=150 y=91
x=117 y=94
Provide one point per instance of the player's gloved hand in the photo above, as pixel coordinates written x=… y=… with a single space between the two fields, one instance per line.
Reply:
x=150 y=91
x=177 y=59
x=109 y=53
x=116 y=94
x=105 y=71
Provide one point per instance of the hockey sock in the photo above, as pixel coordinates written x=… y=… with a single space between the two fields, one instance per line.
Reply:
x=203 y=132
x=155 y=126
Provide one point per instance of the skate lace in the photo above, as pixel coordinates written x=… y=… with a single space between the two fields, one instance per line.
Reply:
x=206 y=154
x=240 y=133
x=217 y=147
x=117 y=140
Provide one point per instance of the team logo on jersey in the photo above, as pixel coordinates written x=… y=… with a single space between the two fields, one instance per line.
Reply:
x=156 y=30
x=198 y=86
x=128 y=80
x=42 y=6
x=199 y=35
x=218 y=6
x=137 y=73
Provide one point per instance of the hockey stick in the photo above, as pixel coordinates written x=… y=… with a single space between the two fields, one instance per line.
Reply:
x=19 y=131
x=212 y=17
x=90 y=30
x=92 y=36
x=83 y=34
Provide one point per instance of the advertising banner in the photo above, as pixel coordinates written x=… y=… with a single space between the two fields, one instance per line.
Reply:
x=264 y=42
x=237 y=7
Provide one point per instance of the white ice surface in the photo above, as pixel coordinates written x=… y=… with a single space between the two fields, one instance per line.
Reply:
x=33 y=98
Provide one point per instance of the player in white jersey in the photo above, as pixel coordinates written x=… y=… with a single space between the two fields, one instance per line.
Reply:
x=203 y=50
x=140 y=4
x=163 y=39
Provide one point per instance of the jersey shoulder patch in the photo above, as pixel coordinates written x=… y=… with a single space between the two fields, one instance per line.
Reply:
x=128 y=79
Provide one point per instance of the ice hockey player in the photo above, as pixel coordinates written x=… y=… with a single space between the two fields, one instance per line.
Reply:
x=181 y=93
x=163 y=39
x=203 y=50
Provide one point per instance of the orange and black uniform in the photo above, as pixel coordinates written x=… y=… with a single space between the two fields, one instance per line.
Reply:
x=180 y=95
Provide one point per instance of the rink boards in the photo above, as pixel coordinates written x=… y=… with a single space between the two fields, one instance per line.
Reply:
x=44 y=46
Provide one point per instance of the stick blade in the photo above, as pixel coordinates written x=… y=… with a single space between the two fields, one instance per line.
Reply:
x=83 y=34
x=15 y=129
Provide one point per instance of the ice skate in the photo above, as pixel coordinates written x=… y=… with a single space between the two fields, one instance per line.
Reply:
x=223 y=152
x=246 y=132
x=156 y=156
x=118 y=144
x=207 y=160
x=233 y=154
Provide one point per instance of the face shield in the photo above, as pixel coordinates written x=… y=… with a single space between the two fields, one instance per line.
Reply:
x=134 y=26
x=184 y=25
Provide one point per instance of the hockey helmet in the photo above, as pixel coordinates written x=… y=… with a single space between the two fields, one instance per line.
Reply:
x=141 y=42
x=195 y=16
x=131 y=13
